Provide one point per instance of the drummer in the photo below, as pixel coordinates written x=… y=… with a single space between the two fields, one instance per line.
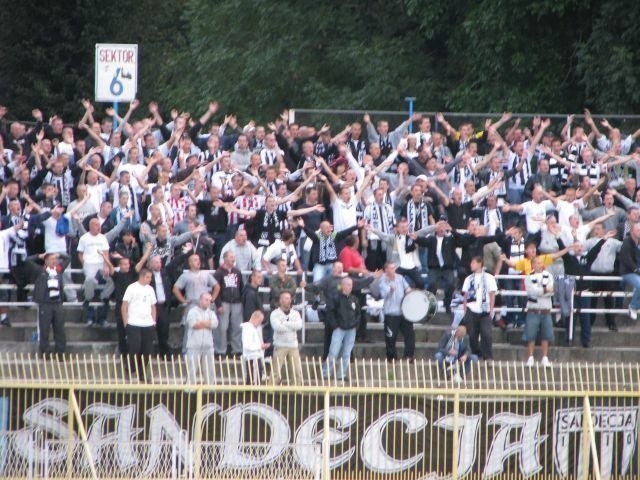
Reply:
x=393 y=288
x=402 y=247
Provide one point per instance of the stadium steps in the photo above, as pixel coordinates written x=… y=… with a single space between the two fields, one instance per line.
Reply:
x=607 y=346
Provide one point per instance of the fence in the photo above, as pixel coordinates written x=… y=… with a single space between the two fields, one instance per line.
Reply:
x=91 y=418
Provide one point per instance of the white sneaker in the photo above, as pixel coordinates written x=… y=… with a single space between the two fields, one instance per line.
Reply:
x=545 y=362
x=457 y=378
x=531 y=362
x=633 y=313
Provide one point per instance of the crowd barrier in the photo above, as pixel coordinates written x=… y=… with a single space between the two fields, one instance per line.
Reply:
x=302 y=303
x=91 y=417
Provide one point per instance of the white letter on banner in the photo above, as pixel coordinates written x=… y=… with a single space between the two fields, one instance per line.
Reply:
x=526 y=446
x=372 y=450
x=163 y=427
x=45 y=415
x=233 y=455
x=468 y=435
x=311 y=433
x=99 y=437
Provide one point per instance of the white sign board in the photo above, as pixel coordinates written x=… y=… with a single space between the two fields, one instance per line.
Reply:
x=116 y=72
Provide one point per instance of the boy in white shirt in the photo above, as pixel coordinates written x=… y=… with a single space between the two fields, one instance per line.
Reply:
x=253 y=348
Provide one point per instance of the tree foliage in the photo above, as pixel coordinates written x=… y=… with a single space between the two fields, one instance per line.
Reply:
x=260 y=56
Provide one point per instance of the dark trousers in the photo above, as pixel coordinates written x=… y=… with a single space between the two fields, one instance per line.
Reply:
x=328 y=333
x=583 y=318
x=122 y=331
x=376 y=257
x=162 y=329
x=361 y=333
x=413 y=276
x=253 y=371
x=479 y=328
x=609 y=302
x=51 y=315
x=140 y=347
x=393 y=324
x=21 y=278
x=442 y=278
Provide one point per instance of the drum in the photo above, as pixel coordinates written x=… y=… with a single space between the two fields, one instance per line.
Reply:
x=419 y=306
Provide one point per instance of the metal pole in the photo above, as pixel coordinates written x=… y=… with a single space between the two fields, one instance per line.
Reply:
x=573 y=292
x=304 y=310
x=410 y=100
x=326 y=438
x=589 y=442
x=456 y=436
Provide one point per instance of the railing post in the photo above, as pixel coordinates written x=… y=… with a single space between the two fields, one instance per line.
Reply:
x=304 y=311
x=456 y=436
x=198 y=435
x=83 y=433
x=326 y=435
x=573 y=294
x=70 y=439
x=589 y=442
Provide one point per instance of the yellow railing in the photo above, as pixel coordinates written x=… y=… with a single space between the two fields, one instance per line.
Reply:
x=97 y=417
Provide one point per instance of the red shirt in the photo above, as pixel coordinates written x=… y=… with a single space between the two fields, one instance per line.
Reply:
x=350 y=258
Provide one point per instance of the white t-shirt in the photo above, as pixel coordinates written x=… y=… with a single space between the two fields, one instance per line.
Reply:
x=478 y=286
x=134 y=170
x=566 y=209
x=52 y=241
x=535 y=214
x=97 y=194
x=278 y=250
x=90 y=247
x=344 y=214
x=140 y=299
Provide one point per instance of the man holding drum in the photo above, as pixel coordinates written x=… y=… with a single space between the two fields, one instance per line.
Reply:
x=393 y=288
x=479 y=291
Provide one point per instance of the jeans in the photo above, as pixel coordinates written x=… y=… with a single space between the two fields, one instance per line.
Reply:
x=633 y=279
x=342 y=342
x=321 y=271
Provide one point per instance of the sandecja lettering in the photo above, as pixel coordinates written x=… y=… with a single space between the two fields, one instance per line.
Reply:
x=113 y=429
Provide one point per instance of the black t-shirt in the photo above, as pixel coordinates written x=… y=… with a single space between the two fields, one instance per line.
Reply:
x=122 y=281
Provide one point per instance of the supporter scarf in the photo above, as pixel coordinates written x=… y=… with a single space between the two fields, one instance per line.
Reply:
x=327 y=245
x=413 y=212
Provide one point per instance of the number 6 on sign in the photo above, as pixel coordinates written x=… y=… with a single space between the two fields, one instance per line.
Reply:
x=116 y=85
x=116 y=72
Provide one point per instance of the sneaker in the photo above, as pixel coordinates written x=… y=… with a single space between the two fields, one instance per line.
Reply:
x=4 y=322
x=457 y=378
x=545 y=362
x=500 y=324
x=633 y=313
x=531 y=361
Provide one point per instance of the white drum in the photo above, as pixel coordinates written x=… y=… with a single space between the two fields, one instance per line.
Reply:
x=419 y=306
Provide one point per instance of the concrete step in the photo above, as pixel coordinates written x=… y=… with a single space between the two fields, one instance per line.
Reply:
x=375 y=350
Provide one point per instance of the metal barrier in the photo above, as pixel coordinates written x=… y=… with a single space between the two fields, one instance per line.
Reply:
x=90 y=417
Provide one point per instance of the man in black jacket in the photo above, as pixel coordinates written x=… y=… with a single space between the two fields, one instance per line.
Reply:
x=251 y=302
x=442 y=261
x=331 y=286
x=48 y=291
x=629 y=258
x=579 y=265
x=343 y=313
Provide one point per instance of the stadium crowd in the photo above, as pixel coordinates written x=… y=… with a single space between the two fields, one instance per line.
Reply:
x=200 y=212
